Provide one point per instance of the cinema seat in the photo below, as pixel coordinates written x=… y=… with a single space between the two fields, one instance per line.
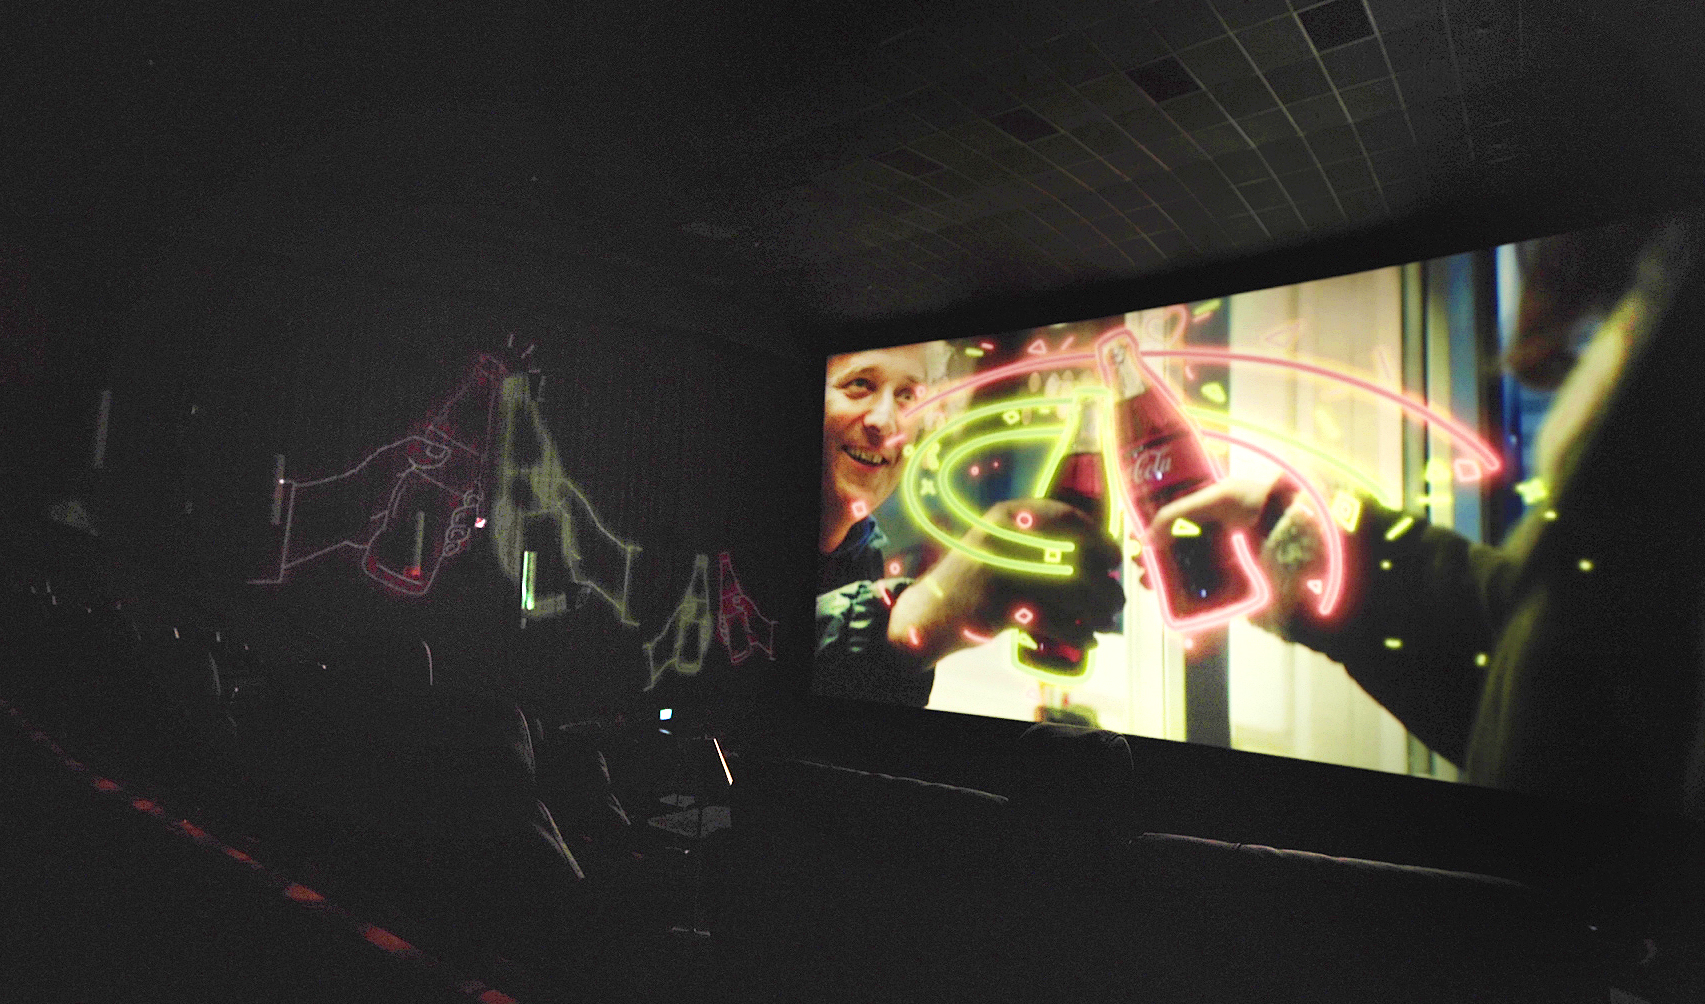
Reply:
x=906 y=890
x=422 y=797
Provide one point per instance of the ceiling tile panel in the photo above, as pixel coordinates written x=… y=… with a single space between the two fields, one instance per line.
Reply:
x=1095 y=173
x=1275 y=43
x=1245 y=96
x=1264 y=194
x=1336 y=23
x=1242 y=166
x=1334 y=143
x=1317 y=113
x=1305 y=186
x=1287 y=155
x=1164 y=79
x=1216 y=61
x=1385 y=132
x=1376 y=97
x=1127 y=40
x=1183 y=23
x=1221 y=139
x=1266 y=127
x=1194 y=111
x=1243 y=13
x=1296 y=81
x=1075 y=59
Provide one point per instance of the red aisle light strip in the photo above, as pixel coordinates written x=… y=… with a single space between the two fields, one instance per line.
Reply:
x=293 y=891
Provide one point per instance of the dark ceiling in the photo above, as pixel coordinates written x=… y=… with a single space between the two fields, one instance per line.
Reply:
x=865 y=166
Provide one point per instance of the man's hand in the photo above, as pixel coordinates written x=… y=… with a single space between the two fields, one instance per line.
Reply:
x=1288 y=539
x=930 y=618
x=1233 y=503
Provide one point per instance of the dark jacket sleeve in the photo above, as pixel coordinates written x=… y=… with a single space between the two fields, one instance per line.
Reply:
x=1422 y=612
x=854 y=658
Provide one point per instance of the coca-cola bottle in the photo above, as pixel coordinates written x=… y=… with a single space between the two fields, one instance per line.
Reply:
x=1078 y=481
x=1202 y=575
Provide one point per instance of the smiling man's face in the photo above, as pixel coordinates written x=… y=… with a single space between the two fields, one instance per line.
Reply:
x=864 y=428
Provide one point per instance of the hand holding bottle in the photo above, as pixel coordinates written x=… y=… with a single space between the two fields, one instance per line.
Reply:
x=930 y=619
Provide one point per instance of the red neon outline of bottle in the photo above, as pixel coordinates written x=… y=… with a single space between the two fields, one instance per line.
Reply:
x=1261 y=593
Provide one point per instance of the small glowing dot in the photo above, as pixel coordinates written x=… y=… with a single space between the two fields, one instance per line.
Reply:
x=894 y=567
x=479 y=524
x=1550 y=514
x=1480 y=659
x=860 y=508
x=1024 y=615
x=1585 y=564
x=1025 y=521
x=1394 y=643
x=1189 y=643
x=976 y=470
x=1385 y=564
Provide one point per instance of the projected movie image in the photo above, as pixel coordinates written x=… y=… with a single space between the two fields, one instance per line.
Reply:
x=1256 y=521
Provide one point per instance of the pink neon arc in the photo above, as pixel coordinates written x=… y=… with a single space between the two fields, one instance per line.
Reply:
x=895 y=440
x=1334 y=589
x=1020 y=368
x=973 y=637
x=1488 y=459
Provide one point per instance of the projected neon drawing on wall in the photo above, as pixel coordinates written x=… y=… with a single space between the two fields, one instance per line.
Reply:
x=758 y=631
x=440 y=473
x=687 y=632
x=435 y=472
x=933 y=474
x=540 y=494
x=686 y=635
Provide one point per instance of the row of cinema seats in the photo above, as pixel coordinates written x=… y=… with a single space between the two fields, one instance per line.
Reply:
x=834 y=883
x=896 y=889
x=423 y=804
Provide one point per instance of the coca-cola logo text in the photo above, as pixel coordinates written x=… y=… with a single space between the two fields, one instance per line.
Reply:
x=1152 y=465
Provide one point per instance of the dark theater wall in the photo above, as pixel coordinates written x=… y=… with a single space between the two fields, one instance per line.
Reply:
x=467 y=397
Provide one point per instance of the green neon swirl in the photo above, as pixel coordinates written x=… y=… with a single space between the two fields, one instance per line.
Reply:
x=959 y=508
x=1341 y=466
x=913 y=504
